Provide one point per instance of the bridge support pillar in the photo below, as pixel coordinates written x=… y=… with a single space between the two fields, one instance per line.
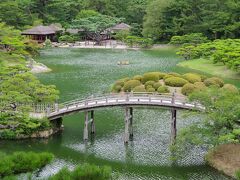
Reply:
x=126 y=134
x=174 y=126
x=85 y=132
x=131 y=122
x=92 y=123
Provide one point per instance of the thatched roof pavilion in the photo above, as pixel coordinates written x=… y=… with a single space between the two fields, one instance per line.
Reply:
x=121 y=26
x=41 y=33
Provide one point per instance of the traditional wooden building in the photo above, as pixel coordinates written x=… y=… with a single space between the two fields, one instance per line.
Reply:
x=41 y=33
x=120 y=27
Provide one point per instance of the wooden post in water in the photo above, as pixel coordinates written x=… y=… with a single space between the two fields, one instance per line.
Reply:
x=85 y=132
x=174 y=126
x=131 y=122
x=126 y=134
x=92 y=123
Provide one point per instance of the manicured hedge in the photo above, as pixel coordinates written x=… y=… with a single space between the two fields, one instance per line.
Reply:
x=21 y=162
x=175 y=81
x=157 y=85
x=84 y=172
x=188 y=89
x=192 y=78
x=230 y=88
x=129 y=85
x=167 y=76
x=139 y=89
x=151 y=76
x=151 y=89
x=214 y=81
x=138 y=77
x=200 y=86
x=116 y=88
x=163 y=89
x=151 y=83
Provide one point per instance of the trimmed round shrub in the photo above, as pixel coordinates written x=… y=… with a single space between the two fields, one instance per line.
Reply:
x=151 y=76
x=192 y=78
x=230 y=88
x=119 y=83
x=175 y=81
x=129 y=85
x=163 y=89
x=167 y=76
x=174 y=74
x=139 y=89
x=214 y=81
x=161 y=75
x=157 y=85
x=116 y=88
x=150 y=90
x=125 y=79
x=219 y=81
x=188 y=89
x=150 y=83
x=138 y=77
x=203 y=77
x=148 y=86
x=200 y=86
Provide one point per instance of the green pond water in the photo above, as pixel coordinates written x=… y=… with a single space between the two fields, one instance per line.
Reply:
x=79 y=73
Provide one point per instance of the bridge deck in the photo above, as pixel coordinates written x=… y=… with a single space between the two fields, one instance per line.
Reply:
x=131 y=99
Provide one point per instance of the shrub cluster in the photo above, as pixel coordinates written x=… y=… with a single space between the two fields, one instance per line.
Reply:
x=139 y=89
x=85 y=171
x=230 y=88
x=214 y=81
x=151 y=76
x=129 y=85
x=21 y=162
x=138 y=41
x=175 y=81
x=226 y=52
x=163 y=89
x=192 y=78
x=160 y=82
x=194 y=38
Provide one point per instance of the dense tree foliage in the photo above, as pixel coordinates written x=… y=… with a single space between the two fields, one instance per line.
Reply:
x=95 y=25
x=18 y=87
x=225 y=51
x=21 y=14
x=222 y=118
x=194 y=38
x=214 y=18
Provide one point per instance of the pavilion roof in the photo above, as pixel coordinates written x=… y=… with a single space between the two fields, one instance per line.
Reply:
x=121 y=26
x=40 y=30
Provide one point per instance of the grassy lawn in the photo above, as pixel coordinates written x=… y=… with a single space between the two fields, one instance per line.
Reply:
x=208 y=67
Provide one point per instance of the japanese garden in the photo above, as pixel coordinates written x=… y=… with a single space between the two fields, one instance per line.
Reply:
x=119 y=89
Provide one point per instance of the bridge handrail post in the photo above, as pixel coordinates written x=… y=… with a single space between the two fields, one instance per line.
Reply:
x=127 y=97
x=173 y=98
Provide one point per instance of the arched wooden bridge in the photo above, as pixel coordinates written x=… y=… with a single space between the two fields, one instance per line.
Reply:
x=127 y=100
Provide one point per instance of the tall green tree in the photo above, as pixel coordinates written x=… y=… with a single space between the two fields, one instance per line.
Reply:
x=95 y=26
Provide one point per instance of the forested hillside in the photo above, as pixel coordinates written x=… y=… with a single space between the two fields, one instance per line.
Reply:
x=160 y=19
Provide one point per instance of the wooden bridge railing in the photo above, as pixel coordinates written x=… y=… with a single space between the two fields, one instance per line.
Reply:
x=119 y=98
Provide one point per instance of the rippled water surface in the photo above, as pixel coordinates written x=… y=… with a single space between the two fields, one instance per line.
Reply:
x=78 y=73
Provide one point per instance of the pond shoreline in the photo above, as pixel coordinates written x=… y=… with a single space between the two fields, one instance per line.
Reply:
x=225 y=158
